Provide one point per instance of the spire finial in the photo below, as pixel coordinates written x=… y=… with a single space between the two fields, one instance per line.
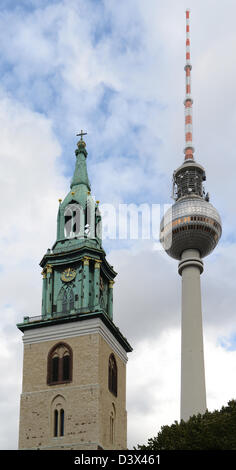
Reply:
x=81 y=134
x=189 y=149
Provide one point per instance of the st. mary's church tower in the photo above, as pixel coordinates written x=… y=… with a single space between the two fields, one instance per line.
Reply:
x=74 y=371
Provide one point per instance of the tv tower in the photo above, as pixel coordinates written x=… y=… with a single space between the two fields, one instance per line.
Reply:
x=190 y=230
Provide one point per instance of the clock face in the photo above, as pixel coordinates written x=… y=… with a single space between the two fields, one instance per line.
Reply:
x=68 y=274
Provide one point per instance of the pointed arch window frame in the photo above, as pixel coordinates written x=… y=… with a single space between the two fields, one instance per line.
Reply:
x=64 y=367
x=58 y=411
x=112 y=424
x=112 y=375
x=74 y=218
x=66 y=297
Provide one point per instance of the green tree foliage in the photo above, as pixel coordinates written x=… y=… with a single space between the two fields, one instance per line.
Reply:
x=210 y=431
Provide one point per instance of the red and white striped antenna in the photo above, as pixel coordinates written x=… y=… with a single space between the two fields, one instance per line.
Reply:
x=189 y=149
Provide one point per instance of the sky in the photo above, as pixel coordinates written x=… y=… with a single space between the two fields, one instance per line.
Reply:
x=116 y=70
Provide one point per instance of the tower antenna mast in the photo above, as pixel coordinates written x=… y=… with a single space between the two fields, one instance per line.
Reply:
x=189 y=149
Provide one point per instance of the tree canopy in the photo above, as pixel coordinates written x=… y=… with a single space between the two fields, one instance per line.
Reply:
x=211 y=431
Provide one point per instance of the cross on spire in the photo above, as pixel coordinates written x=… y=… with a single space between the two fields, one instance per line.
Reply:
x=81 y=134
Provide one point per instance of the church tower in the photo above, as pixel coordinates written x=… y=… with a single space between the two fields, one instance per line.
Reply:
x=74 y=371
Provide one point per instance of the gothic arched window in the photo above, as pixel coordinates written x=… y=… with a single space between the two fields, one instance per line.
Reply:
x=74 y=220
x=71 y=299
x=59 y=364
x=65 y=300
x=61 y=430
x=58 y=416
x=55 y=427
x=112 y=375
x=112 y=424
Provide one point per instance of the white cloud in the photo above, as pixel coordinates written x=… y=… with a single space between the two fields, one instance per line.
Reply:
x=116 y=68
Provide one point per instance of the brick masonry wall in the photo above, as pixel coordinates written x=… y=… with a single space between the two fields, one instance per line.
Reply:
x=86 y=400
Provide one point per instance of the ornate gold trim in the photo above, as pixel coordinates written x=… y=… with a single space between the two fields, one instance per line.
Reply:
x=97 y=263
x=86 y=260
x=49 y=268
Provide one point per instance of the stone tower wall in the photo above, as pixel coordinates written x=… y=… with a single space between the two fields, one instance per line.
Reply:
x=86 y=400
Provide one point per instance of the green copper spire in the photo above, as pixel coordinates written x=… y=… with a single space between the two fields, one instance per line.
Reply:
x=80 y=173
x=77 y=278
x=79 y=219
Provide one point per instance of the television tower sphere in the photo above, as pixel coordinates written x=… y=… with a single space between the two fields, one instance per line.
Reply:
x=192 y=222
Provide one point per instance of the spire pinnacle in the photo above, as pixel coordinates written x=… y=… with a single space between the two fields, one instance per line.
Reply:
x=80 y=173
x=81 y=134
x=189 y=149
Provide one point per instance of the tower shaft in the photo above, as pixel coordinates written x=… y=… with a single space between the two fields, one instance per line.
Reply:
x=193 y=390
